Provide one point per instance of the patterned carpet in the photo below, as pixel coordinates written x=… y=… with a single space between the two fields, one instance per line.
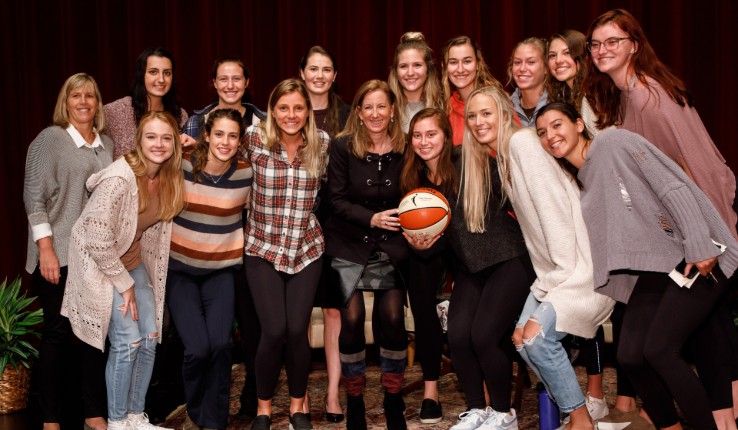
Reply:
x=451 y=399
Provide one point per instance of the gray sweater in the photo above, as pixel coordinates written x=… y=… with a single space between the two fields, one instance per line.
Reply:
x=644 y=214
x=54 y=190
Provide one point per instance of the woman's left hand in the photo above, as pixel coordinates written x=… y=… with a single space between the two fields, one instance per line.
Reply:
x=186 y=140
x=129 y=304
x=386 y=220
x=704 y=266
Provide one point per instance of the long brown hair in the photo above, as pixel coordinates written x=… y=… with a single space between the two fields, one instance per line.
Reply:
x=483 y=79
x=332 y=120
x=559 y=91
x=359 y=140
x=171 y=186
x=202 y=148
x=414 y=167
x=602 y=92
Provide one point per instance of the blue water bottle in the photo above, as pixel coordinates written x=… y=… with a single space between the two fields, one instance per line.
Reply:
x=548 y=411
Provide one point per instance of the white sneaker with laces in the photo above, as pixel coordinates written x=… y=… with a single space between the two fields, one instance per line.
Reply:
x=124 y=424
x=500 y=421
x=141 y=422
x=471 y=419
x=597 y=407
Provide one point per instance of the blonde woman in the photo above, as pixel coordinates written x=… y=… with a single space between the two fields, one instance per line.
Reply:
x=527 y=72
x=118 y=263
x=494 y=273
x=60 y=159
x=284 y=242
x=413 y=78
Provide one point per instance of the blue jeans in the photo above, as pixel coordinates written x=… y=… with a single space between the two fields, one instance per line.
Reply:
x=547 y=357
x=132 y=349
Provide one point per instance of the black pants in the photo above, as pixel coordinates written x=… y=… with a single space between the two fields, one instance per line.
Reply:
x=59 y=346
x=250 y=331
x=658 y=321
x=481 y=317
x=423 y=282
x=284 y=303
x=202 y=310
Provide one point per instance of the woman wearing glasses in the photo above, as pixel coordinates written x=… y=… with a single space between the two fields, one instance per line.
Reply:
x=629 y=87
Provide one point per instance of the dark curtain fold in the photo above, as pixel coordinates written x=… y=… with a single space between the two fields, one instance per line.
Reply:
x=44 y=42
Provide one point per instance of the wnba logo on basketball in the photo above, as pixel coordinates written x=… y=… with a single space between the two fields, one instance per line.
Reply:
x=424 y=211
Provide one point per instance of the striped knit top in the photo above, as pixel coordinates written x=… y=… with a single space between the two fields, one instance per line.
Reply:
x=208 y=234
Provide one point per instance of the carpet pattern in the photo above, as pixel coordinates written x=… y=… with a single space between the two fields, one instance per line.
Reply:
x=452 y=401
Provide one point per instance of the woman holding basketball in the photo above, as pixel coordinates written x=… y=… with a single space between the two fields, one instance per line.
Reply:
x=367 y=250
x=428 y=165
x=494 y=272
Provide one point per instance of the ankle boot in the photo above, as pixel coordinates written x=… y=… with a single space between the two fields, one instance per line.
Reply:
x=394 y=411
x=355 y=413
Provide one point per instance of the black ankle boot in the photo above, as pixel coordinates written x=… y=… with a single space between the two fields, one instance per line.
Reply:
x=394 y=411
x=355 y=413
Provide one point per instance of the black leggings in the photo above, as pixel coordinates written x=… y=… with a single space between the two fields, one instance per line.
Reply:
x=422 y=287
x=388 y=322
x=658 y=321
x=481 y=317
x=284 y=303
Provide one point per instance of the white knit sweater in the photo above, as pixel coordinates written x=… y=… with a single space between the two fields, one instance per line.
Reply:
x=101 y=235
x=546 y=202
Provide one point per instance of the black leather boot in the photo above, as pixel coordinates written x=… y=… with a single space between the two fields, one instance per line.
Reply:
x=394 y=411
x=355 y=413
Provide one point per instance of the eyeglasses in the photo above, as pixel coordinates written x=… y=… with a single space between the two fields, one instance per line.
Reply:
x=610 y=44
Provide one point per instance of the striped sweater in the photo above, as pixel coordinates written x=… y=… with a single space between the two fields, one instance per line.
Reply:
x=208 y=234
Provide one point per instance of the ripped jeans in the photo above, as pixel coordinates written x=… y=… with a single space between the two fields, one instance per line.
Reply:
x=132 y=349
x=545 y=354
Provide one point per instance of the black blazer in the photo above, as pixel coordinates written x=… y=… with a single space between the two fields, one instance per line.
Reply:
x=357 y=189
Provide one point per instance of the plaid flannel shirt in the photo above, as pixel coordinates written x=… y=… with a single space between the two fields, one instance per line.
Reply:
x=281 y=226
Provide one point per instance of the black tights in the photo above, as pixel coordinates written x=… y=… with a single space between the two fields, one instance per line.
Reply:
x=481 y=317
x=659 y=319
x=388 y=322
x=283 y=303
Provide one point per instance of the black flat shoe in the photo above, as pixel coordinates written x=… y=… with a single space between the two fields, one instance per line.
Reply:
x=330 y=416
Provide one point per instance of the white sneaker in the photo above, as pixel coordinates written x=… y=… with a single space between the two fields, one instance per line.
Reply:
x=124 y=424
x=471 y=419
x=597 y=407
x=141 y=422
x=500 y=421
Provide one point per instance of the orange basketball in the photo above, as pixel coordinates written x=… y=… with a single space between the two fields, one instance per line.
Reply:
x=424 y=210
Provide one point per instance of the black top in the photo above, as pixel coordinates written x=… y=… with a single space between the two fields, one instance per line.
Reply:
x=502 y=239
x=359 y=188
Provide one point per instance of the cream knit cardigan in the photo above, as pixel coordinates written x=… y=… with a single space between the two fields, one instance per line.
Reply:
x=101 y=235
x=546 y=203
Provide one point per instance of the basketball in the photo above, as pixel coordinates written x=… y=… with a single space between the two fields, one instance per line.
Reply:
x=424 y=210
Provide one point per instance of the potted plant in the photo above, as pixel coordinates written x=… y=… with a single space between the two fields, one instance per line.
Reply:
x=16 y=353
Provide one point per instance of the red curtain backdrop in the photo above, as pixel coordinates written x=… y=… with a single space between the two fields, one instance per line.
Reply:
x=44 y=42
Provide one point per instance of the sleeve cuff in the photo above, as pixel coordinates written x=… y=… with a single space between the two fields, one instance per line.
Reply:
x=41 y=231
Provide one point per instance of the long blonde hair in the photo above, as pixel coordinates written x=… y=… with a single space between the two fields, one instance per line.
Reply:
x=312 y=154
x=359 y=140
x=476 y=175
x=171 y=185
x=431 y=94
